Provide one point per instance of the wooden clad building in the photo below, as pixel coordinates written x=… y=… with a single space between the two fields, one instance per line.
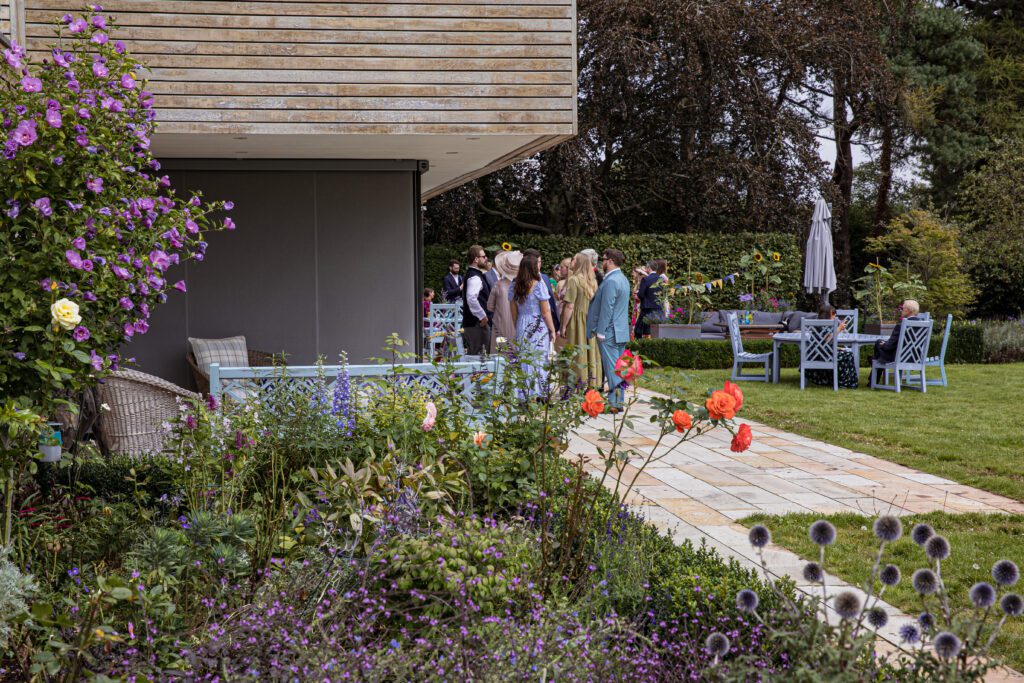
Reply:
x=468 y=85
x=328 y=124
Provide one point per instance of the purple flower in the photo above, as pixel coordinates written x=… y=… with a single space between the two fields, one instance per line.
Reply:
x=191 y=226
x=159 y=259
x=99 y=21
x=18 y=355
x=14 y=208
x=13 y=58
x=53 y=118
x=77 y=26
x=24 y=133
x=110 y=104
x=120 y=272
x=81 y=140
x=129 y=331
x=180 y=286
x=229 y=205
x=60 y=59
x=74 y=259
x=141 y=326
x=42 y=205
x=746 y=297
x=229 y=224
x=72 y=205
x=58 y=161
x=119 y=46
x=88 y=296
x=80 y=334
x=212 y=403
x=126 y=303
x=127 y=82
x=87 y=265
x=78 y=243
x=83 y=113
x=30 y=84
x=100 y=38
x=191 y=422
x=100 y=70
x=94 y=184
x=95 y=360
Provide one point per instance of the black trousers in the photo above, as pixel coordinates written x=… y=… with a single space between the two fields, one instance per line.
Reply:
x=476 y=339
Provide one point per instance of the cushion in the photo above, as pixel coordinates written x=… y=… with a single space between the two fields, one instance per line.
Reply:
x=792 y=321
x=230 y=352
x=767 y=318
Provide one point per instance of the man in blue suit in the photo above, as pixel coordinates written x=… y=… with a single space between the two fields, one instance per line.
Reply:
x=608 y=320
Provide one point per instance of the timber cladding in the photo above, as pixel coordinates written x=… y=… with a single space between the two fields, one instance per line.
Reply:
x=292 y=67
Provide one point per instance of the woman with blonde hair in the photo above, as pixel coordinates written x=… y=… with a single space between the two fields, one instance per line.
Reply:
x=579 y=290
x=563 y=282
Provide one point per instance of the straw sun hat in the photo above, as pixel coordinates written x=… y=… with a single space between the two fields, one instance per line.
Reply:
x=507 y=263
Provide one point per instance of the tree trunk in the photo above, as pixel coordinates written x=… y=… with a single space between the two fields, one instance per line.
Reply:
x=842 y=178
x=882 y=212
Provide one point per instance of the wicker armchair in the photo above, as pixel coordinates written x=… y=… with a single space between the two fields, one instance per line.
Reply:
x=257 y=359
x=139 y=406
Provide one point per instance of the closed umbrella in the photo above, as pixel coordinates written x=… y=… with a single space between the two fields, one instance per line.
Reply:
x=819 y=269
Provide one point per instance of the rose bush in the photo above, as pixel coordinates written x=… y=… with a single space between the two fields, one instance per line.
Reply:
x=91 y=231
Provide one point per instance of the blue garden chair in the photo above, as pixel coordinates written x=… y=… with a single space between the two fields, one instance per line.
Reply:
x=819 y=348
x=911 y=355
x=938 y=361
x=441 y=328
x=850 y=316
x=741 y=357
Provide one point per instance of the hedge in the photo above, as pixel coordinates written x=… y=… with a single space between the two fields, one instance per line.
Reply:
x=965 y=346
x=713 y=255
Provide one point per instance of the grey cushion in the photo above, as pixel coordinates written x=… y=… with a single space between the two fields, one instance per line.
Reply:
x=792 y=321
x=230 y=352
x=766 y=318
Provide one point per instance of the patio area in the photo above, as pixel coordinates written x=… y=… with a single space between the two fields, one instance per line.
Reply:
x=701 y=488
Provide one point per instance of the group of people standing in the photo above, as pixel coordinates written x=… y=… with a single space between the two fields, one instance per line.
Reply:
x=511 y=302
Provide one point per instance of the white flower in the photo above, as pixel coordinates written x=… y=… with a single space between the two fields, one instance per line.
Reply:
x=104 y=406
x=65 y=313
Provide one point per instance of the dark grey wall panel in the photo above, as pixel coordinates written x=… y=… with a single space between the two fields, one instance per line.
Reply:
x=322 y=260
x=367 y=266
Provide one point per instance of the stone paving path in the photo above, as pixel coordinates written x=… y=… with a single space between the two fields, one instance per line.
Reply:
x=700 y=489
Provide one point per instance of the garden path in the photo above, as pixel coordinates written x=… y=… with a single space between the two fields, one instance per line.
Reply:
x=698 y=491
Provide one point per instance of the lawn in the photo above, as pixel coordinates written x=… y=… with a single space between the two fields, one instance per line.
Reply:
x=977 y=541
x=967 y=432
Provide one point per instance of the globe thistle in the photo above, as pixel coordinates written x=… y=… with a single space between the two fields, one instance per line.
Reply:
x=747 y=600
x=982 y=594
x=1005 y=573
x=926 y=620
x=937 y=548
x=1012 y=605
x=925 y=582
x=822 y=533
x=947 y=645
x=878 y=617
x=759 y=536
x=717 y=644
x=888 y=528
x=909 y=634
x=847 y=605
x=890 y=575
x=921 y=533
x=813 y=572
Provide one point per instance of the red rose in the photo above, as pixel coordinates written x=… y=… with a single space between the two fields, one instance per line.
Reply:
x=735 y=392
x=741 y=441
x=681 y=419
x=721 y=406
x=593 y=403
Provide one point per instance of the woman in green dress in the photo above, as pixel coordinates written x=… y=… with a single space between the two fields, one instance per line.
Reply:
x=578 y=292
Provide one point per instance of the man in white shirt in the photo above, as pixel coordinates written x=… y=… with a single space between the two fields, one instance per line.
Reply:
x=475 y=318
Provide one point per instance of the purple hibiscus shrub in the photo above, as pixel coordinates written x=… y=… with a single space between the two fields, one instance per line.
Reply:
x=94 y=230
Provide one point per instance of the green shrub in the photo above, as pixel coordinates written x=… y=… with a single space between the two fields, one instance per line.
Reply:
x=111 y=477
x=965 y=346
x=711 y=255
x=1000 y=341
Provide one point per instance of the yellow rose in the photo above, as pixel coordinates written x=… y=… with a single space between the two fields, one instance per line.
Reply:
x=65 y=313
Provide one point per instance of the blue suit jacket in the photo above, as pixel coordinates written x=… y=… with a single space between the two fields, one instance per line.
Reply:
x=609 y=309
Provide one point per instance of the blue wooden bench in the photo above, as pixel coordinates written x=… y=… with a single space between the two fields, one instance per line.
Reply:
x=474 y=378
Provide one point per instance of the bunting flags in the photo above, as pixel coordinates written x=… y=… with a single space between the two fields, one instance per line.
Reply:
x=710 y=285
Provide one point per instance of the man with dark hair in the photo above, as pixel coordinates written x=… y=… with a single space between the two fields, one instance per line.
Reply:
x=451 y=288
x=475 y=317
x=552 y=304
x=608 y=320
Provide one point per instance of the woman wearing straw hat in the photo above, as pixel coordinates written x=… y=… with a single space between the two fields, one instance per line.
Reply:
x=507 y=265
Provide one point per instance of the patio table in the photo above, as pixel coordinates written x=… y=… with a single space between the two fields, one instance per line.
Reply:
x=854 y=341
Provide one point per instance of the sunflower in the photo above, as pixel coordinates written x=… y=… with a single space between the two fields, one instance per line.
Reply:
x=505 y=246
x=776 y=256
x=699 y=277
x=758 y=257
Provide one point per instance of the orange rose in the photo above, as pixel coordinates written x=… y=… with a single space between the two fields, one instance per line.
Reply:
x=681 y=419
x=593 y=403
x=628 y=366
x=480 y=438
x=721 y=406
x=735 y=392
x=741 y=441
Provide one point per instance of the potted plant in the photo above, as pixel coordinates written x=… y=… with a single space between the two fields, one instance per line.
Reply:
x=50 y=443
x=682 y=322
x=758 y=270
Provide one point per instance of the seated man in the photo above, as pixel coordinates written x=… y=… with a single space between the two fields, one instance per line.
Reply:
x=885 y=351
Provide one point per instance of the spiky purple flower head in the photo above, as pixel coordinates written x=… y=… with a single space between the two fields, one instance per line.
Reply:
x=982 y=594
x=759 y=536
x=747 y=600
x=947 y=645
x=717 y=644
x=890 y=575
x=925 y=582
x=813 y=572
x=937 y=548
x=878 y=617
x=847 y=605
x=926 y=620
x=1005 y=573
x=921 y=533
x=910 y=634
x=888 y=528
x=1012 y=605
x=822 y=533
